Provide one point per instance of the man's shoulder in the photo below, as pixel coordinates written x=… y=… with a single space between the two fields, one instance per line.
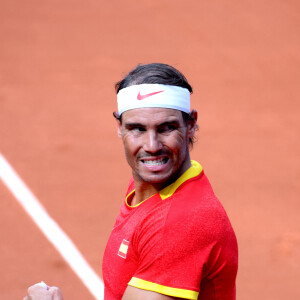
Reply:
x=196 y=192
x=196 y=206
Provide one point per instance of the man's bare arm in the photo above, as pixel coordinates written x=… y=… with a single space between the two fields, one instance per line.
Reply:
x=132 y=293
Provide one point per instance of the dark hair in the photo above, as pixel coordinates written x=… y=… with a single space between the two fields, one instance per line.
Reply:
x=156 y=73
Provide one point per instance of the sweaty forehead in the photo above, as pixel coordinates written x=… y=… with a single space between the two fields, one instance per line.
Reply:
x=151 y=115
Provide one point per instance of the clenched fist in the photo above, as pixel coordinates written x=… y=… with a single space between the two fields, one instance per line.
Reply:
x=38 y=292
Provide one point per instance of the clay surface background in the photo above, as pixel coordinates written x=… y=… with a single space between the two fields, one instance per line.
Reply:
x=59 y=61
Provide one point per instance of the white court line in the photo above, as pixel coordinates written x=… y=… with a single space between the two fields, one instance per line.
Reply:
x=51 y=230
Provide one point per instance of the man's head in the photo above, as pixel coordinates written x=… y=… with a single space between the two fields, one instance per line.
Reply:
x=155 y=122
x=157 y=73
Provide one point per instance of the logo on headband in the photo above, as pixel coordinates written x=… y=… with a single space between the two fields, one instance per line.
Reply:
x=141 y=97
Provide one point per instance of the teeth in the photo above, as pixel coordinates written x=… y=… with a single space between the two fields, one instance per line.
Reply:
x=157 y=162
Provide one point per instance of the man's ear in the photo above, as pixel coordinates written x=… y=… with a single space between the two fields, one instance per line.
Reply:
x=119 y=128
x=119 y=124
x=192 y=123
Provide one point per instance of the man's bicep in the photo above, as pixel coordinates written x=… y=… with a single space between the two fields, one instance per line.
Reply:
x=132 y=293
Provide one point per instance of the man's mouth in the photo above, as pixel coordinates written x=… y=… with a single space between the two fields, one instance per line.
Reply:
x=155 y=162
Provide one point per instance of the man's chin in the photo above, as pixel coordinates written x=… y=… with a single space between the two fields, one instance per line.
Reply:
x=156 y=178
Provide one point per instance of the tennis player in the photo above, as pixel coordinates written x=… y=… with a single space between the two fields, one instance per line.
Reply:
x=172 y=238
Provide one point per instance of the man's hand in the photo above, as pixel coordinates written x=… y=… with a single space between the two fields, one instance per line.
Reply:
x=37 y=292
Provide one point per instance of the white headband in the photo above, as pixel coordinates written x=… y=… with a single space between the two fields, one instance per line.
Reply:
x=153 y=95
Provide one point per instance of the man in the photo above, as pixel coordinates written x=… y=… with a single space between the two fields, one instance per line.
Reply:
x=172 y=239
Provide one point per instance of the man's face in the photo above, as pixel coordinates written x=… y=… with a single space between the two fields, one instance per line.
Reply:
x=156 y=143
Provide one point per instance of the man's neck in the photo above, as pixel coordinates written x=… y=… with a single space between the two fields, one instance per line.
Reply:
x=144 y=190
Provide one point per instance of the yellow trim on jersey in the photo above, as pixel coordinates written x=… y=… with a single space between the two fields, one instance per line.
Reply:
x=161 y=289
x=193 y=171
x=126 y=200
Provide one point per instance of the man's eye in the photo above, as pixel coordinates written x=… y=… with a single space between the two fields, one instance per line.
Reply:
x=167 y=128
x=137 y=129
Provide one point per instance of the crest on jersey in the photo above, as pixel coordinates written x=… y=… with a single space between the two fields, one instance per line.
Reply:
x=123 y=249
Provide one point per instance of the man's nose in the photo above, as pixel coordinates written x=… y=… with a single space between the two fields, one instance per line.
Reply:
x=151 y=142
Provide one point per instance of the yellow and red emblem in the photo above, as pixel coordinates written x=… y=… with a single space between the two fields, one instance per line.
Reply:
x=123 y=248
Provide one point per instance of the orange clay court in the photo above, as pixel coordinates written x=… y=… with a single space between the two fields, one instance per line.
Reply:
x=59 y=61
